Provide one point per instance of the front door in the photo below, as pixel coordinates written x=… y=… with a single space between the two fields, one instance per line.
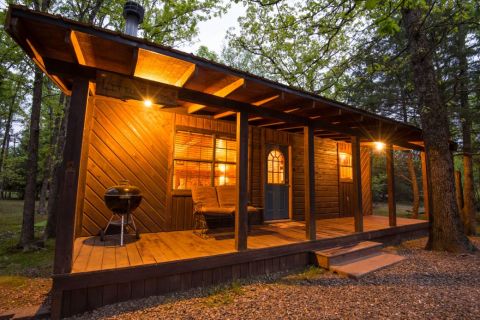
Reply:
x=276 y=183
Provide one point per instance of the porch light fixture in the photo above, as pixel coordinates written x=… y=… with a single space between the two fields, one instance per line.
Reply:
x=147 y=103
x=379 y=146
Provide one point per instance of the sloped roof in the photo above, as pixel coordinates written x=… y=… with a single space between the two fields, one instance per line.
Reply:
x=64 y=49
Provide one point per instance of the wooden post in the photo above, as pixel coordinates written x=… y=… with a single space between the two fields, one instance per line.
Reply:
x=357 y=184
x=69 y=177
x=309 y=176
x=241 y=214
x=425 y=187
x=392 y=208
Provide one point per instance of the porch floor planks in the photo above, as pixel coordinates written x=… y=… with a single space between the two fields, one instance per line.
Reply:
x=81 y=262
x=92 y=254
x=96 y=256
x=108 y=261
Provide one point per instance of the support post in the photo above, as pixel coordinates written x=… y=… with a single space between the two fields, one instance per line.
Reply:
x=392 y=208
x=309 y=176
x=241 y=214
x=69 y=177
x=425 y=186
x=357 y=184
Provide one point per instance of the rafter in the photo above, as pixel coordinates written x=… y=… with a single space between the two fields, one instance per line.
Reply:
x=77 y=48
x=38 y=59
x=222 y=93
x=186 y=76
x=257 y=104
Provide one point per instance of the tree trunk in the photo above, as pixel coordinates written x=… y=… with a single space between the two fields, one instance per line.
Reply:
x=8 y=126
x=6 y=138
x=50 y=228
x=468 y=215
x=48 y=170
x=27 y=236
x=446 y=232
x=459 y=190
x=414 y=183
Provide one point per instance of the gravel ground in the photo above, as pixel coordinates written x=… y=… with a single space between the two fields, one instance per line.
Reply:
x=427 y=285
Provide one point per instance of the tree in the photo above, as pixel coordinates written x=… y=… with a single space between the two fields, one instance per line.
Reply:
x=446 y=231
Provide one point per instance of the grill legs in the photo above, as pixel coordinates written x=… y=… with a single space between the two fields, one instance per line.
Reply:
x=123 y=223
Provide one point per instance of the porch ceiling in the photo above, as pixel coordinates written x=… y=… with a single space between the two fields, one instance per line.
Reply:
x=65 y=49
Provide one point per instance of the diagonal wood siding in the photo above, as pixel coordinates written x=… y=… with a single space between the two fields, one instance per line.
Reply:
x=131 y=142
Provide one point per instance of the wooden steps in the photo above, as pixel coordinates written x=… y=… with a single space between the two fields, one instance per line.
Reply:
x=357 y=259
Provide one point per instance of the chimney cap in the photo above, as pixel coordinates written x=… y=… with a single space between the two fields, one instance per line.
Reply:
x=133 y=8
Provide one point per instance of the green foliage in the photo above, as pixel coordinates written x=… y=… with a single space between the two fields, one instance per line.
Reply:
x=14 y=262
x=204 y=52
x=224 y=294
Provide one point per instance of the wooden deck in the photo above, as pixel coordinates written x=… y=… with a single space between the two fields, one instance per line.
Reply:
x=153 y=248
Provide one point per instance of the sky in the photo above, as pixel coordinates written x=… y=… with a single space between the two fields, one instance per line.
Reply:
x=212 y=32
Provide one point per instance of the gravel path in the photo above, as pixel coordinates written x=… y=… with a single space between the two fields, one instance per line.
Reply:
x=427 y=285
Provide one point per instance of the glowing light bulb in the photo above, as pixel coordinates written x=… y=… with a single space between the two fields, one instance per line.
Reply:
x=147 y=103
x=379 y=145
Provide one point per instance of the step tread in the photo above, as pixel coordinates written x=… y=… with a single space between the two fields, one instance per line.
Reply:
x=365 y=265
x=349 y=248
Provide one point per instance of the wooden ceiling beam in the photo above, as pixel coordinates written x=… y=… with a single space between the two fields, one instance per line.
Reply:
x=222 y=93
x=40 y=62
x=257 y=104
x=270 y=124
x=291 y=128
x=77 y=49
x=186 y=76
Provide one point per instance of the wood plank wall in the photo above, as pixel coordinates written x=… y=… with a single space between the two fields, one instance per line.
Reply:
x=346 y=187
x=326 y=178
x=366 y=164
x=129 y=141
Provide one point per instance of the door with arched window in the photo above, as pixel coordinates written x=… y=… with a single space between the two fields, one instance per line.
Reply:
x=276 y=183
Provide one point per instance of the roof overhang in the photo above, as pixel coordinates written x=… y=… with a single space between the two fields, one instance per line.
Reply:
x=126 y=67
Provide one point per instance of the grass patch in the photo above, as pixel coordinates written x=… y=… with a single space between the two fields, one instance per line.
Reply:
x=12 y=281
x=15 y=262
x=224 y=294
x=309 y=274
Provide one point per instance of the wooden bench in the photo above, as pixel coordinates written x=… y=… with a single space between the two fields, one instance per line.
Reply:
x=213 y=201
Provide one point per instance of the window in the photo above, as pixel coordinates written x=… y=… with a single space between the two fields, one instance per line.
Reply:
x=345 y=161
x=203 y=159
x=225 y=157
x=275 y=167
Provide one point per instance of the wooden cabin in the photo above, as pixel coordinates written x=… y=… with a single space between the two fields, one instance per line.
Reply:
x=166 y=121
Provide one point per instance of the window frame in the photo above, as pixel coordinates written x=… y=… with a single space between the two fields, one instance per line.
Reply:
x=340 y=166
x=283 y=172
x=214 y=135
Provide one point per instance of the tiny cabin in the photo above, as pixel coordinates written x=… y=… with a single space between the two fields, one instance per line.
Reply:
x=170 y=122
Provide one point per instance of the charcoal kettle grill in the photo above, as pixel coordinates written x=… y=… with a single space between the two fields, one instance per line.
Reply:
x=122 y=200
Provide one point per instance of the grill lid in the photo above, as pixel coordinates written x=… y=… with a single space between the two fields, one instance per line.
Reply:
x=123 y=190
x=123 y=198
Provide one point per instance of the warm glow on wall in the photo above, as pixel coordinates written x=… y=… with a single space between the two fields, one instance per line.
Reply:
x=379 y=146
x=147 y=103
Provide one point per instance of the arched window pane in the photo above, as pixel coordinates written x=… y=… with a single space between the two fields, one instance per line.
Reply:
x=275 y=167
